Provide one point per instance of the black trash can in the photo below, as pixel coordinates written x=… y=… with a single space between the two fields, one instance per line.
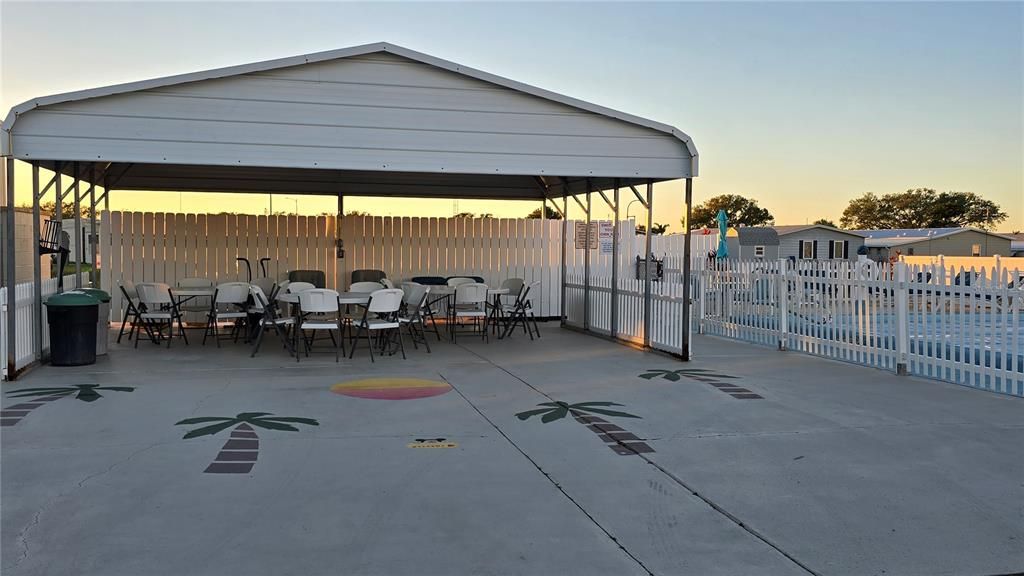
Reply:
x=72 y=318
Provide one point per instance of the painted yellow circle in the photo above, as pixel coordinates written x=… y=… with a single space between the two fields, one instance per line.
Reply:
x=391 y=388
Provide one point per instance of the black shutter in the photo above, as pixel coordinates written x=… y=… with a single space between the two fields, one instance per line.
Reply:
x=831 y=248
x=814 y=252
x=800 y=251
x=846 y=249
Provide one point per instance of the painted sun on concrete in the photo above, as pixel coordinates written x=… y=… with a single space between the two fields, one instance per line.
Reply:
x=391 y=388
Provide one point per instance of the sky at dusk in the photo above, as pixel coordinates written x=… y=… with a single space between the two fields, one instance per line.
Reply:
x=801 y=106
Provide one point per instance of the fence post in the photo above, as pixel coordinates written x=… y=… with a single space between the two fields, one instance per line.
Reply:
x=702 y=285
x=782 y=293
x=902 y=328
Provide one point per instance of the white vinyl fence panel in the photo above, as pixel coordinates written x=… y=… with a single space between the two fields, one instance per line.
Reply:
x=26 y=321
x=958 y=325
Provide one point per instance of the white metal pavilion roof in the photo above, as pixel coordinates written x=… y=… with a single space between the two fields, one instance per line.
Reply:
x=373 y=120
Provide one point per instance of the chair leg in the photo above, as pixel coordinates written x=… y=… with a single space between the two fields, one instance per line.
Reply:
x=124 y=321
x=401 y=341
x=206 y=331
x=259 y=339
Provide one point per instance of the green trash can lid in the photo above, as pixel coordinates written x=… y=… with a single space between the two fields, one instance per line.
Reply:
x=72 y=298
x=96 y=293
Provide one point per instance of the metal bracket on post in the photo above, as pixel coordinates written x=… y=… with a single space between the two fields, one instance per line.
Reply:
x=639 y=197
x=902 y=328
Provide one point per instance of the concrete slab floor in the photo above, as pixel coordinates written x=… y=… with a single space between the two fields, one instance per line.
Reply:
x=836 y=469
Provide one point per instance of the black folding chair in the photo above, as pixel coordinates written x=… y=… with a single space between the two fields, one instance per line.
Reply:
x=131 y=314
x=521 y=313
x=270 y=317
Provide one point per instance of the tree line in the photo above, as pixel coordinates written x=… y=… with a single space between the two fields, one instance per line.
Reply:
x=914 y=208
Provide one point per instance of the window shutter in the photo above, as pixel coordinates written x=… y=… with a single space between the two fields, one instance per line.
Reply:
x=800 y=251
x=814 y=251
x=846 y=249
x=831 y=248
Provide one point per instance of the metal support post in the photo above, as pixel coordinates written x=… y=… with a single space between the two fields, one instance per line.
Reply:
x=9 y=274
x=687 y=291
x=614 y=325
x=78 y=233
x=586 y=265
x=37 y=272
x=93 y=233
x=565 y=230
x=647 y=265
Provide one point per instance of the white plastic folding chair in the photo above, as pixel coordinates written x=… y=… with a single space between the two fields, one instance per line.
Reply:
x=320 y=310
x=412 y=314
x=471 y=304
x=387 y=283
x=228 y=304
x=270 y=316
x=158 y=310
x=365 y=287
x=459 y=280
x=385 y=304
x=297 y=287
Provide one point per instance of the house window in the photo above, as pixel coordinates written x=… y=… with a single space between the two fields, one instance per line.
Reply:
x=975 y=249
x=808 y=251
x=910 y=251
x=758 y=251
x=837 y=250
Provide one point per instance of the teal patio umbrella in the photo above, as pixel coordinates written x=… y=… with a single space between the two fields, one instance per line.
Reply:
x=723 y=227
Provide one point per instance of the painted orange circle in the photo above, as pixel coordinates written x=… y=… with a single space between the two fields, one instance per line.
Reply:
x=391 y=388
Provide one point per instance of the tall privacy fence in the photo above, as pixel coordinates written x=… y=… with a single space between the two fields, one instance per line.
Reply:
x=28 y=328
x=960 y=325
x=157 y=247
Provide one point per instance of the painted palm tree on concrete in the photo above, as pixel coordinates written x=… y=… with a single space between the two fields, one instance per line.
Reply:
x=620 y=441
x=84 y=392
x=238 y=455
x=709 y=377
x=699 y=374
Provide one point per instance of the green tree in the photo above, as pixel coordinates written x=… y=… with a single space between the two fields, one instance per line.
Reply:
x=921 y=208
x=48 y=209
x=825 y=222
x=656 y=229
x=741 y=212
x=549 y=213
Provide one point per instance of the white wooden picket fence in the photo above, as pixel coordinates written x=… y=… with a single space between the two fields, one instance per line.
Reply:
x=26 y=321
x=960 y=325
x=158 y=247
x=667 y=300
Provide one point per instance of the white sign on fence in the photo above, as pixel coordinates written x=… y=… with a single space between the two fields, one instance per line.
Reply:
x=582 y=237
x=605 y=236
